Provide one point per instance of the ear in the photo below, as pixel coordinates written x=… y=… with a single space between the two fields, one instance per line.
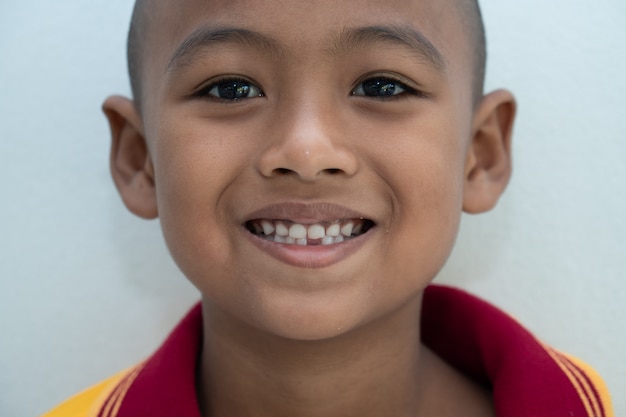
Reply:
x=488 y=165
x=131 y=166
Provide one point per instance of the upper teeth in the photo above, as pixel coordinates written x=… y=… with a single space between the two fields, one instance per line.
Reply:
x=281 y=231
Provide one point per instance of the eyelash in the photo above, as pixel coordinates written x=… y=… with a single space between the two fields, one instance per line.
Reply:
x=359 y=90
x=398 y=81
x=206 y=91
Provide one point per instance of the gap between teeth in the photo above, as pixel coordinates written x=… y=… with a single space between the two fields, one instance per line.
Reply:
x=304 y=235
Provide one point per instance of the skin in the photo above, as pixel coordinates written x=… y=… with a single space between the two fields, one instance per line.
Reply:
x=289 y=336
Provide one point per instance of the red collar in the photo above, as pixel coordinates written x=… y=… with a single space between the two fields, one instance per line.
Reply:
x=527 y=377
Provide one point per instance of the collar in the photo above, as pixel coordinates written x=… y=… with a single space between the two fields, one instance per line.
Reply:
x=527 y=377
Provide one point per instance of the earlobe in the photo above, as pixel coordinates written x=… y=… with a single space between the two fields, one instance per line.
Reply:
x=131 y=166
x=488 y=165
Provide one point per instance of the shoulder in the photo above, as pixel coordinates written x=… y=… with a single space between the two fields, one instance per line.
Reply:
x=527 y=376
x=89 y=402
x=589 y=385
x=165 y=381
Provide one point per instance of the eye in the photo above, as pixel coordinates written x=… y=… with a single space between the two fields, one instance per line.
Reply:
x=382 y=87
x=230 y=89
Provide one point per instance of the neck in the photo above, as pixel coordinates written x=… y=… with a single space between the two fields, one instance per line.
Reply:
x=247 y=372
x=378 y=370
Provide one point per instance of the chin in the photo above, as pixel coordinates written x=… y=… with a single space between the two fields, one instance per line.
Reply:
x=318 y=332
x=310 y=318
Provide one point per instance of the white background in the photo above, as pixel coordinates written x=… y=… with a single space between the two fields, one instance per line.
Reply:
x=86 y=289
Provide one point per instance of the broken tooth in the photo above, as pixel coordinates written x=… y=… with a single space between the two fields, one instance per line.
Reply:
x=281 y=229
x=257 y=228
x=347 y=228
x=333 y=230
x=324 y=233
x=268 y=227
x=316 y=231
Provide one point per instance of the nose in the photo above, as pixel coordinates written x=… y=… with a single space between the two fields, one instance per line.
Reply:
x=308 y=141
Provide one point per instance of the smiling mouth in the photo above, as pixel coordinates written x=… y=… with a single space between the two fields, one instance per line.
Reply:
x=321 y=233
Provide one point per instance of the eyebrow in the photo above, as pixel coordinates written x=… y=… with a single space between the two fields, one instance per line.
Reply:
x=404 y=36
x=208 y=36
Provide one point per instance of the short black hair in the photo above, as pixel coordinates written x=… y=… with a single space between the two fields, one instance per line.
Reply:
x=471 y=15
x=469 y=12
x=136 y=38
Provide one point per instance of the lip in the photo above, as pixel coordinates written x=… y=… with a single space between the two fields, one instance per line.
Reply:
x=305 y=213
x=312 y=256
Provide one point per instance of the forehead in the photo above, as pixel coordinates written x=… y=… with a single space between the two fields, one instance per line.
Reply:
x=298 y=25
x=313 y=30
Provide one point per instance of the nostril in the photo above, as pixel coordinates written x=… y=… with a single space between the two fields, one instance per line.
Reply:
x=282 y=171
x=287 y=171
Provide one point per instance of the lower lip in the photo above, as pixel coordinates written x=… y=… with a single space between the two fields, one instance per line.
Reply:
x=312 y=256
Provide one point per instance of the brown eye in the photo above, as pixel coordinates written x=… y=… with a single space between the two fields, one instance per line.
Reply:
x=380 y=87
x=231 y=90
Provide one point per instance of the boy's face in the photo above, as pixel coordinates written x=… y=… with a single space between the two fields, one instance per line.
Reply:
x=308 y=115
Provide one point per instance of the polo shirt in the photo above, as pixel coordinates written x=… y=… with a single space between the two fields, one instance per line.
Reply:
x=527 y=378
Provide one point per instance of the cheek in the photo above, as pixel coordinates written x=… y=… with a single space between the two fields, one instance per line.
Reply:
x=193 y=169
x=423 y=163
x=424 y=172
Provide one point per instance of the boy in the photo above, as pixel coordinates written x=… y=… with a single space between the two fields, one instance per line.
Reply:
x=309 y=162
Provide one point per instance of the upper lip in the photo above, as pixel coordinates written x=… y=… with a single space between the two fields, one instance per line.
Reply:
x=305 y=213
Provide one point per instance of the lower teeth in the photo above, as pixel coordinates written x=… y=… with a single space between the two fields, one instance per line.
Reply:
x=283 y=233
x=325 y=241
